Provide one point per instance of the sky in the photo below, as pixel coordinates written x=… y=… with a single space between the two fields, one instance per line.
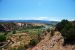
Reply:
x=52 y=10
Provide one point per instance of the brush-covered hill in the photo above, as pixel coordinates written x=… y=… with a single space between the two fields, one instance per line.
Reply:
x=63 y=38
x=53 y=43
x=16 y=41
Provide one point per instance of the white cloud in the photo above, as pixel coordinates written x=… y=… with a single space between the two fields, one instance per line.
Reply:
x=37 y=18
x=40 y=18
x=31 y=18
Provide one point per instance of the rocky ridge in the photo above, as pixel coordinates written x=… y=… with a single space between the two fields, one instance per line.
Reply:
x=53 y=43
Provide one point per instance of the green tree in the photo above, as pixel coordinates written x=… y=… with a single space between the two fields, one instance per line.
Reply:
x=61 y=25
x=33 y=42
x=2 y=38
x=14 y=32
x=67 y=29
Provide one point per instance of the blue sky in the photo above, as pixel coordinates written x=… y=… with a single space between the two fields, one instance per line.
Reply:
x=37 y=10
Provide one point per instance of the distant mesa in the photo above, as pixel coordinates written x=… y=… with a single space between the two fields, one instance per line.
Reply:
x=32 y=21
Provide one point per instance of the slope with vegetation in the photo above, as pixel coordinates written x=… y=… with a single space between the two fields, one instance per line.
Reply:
x=28 y=36
x=63 y=38
x=17 y=36
x=67 y=29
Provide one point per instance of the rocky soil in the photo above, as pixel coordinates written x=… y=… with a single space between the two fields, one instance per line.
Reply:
x=53 y=43
x=17 y=40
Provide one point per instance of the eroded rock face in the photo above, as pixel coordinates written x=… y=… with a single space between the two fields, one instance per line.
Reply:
x=54 y=43
x=16 y=40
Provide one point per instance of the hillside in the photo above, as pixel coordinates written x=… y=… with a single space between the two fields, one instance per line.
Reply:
x=16 y=41
x=53 y=43
x=9 y=26
x=37 y=36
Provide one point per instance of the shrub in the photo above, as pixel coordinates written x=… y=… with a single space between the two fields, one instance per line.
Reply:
x=48 y=30
x=33 y=42
x=5 y=33
x=21 y=48
x=67 y=29
x=52 y=32
x=14 y=31
x=26 y=46
x=2 y=38
x=61 y=25
x=39 y=37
